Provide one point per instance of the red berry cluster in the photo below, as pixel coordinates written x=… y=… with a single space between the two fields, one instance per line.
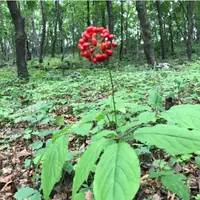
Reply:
x=96 y=44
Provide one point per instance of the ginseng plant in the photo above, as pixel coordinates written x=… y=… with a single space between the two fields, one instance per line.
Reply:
x=117 y=172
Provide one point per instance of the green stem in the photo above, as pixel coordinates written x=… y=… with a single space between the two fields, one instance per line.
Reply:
x=113 y=96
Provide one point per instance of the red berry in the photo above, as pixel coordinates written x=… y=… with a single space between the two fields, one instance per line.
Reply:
x=86 y=54
x=89 y=29
x=111 y=36
x=91 y=50
x=94 y=29
x=105 y=56
x=114 y=44
x=94 y=41
x=108 y=44
x=109 y=52
x=99 y=57
x=94 y=35
x=86 y=35
x=80 y=47
x=94 y=60
x=101 y=35
x=86 y=44
x=81 y=41
x=103 y=46
x=105 y=30
x=106 y=34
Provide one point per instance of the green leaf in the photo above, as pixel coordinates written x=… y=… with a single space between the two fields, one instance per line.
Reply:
x=173 y=139
x=197 y=161
x=24 y=192
x=156 y=174
x=54 y=159
x=186 y=116
x=36 y=145
x=36 y=196
x=102 y=134
x=155 y=99
x=175 y=184
x=82 y=129
x=4 y=146
x=79 y=196
x=117 y=174
x=147 y=117
x=59 y=120
x=86 y=163
x=27 y=163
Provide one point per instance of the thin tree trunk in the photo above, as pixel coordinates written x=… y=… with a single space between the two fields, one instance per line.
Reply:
x=60 y=23
x=146 y=31
x=1 y=34
x=126 y=26
x=190 y=30
x=96 y=14
x=55 y=30
x=20 y=39
x=160 y=19
x=103 y=17
x=43 y=30
x=61 y=34
x=88 y=13
x=28 y=50
x=198 y=34
x=110 y=16
x=171 y=33
x=73 y=34
x=122 y=31
x=35 y=43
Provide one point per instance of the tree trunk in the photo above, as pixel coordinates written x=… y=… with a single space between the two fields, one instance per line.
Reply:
x=43 y=30
x=88 y=13
x=126 y=26
x=1 y=35
x=28 y=50
x=60 y=23
x=122 y=31
x=35 y=41
x=96 y=14
x=20 y=39
x=160 y=19
x=146 y=31
x=171 y=33
x=110 y=16
x=103 y=21
x=198 y=33
x=73 y=34
x=55 y=30
x=190 y=30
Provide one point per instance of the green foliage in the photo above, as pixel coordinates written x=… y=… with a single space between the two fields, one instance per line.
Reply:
x=47 y=99
x=173 y=139
x=27 y=193
x=86 y=163
x=117 y=174
x=53 y=162
x=186 y=116
x=175 y=184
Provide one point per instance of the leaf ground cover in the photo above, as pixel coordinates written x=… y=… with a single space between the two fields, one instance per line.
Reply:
x=31 y=111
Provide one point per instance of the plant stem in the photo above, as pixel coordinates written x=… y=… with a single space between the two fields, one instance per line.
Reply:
x=113 y=96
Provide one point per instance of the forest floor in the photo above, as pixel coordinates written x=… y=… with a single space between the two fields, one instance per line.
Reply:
x=31 y=111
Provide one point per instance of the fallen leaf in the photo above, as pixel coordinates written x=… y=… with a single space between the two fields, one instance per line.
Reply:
x=6 y=179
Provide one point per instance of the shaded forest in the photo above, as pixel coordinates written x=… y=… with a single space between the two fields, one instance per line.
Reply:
x=99 y=100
